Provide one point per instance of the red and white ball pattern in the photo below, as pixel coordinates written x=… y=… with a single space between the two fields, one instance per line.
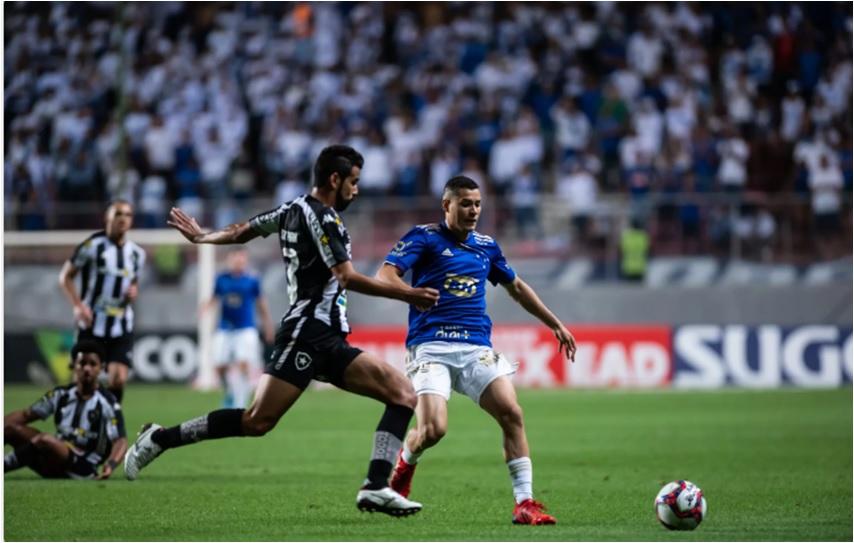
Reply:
x=680 y=505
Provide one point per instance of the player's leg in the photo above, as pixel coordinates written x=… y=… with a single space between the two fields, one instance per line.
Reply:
x=18 y=436
x=273 y=398
x=222 y=349
x=367 y=375
x=43 y=453
x=117 y=376
x=242 y=387
x=499 y=400
x=431 y=415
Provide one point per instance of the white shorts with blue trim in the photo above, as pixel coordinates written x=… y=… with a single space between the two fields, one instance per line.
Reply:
x=240 y=345
x=437 y=367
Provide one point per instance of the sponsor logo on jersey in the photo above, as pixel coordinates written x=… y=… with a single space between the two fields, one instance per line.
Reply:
x=462 y=286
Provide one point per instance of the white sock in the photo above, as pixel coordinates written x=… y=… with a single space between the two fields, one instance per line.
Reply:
x=522 y=477
x=408 y=456
x=240 y=387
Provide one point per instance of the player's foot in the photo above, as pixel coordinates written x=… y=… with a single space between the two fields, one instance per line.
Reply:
x=401 y=477
x=385 y=500
x=142 y=452
x=532 y=512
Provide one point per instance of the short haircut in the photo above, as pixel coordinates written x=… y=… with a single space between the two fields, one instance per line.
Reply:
x=88 y=346
x=118 y=201
x=338 y=159
x=457 y=183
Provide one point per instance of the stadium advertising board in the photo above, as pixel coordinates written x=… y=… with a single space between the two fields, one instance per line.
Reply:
x=43 y=356
x=608 y=356
x=768 y=356
x=655 y=356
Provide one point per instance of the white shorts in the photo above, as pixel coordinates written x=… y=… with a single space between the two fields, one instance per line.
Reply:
x=241 y=345
x=437 y=367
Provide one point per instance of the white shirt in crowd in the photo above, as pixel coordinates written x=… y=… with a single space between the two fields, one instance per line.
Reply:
x=824 y=175
x=579 y=190
x=733 y=166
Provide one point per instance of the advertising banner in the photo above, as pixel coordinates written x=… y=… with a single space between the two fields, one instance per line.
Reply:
x=43 y=357
x=767 y=356
x=608 y=356
x=654 y=356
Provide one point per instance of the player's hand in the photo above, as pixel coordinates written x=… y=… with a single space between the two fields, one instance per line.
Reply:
x=423 y=298
x=567 y=342
x=106 y=471
x=83 y=314
x=185 y=224
x=132 y=293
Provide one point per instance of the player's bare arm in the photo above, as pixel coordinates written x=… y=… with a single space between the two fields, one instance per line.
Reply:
x=349 y=278
x=82 y=312
x=528 y=299
x=21 y=416
x=391 y=274
x=266 y=320
x=117 y=452
x=190 y=229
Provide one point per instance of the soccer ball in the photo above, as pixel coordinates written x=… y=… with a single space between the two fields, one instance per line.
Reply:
x=680 y=505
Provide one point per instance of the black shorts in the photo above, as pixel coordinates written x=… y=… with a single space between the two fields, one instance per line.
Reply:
x=118 y=349
x=81 y=468
x=307 y=349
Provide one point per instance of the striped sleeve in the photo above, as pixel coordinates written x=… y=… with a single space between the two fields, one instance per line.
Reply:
x=84 y=253
x=46 y=405
x=267 y=223
x=328 y=233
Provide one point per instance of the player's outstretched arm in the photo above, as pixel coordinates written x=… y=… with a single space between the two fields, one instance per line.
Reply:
x=528 y=299
x=349 y=278
x=190 y=229
x=21 y=417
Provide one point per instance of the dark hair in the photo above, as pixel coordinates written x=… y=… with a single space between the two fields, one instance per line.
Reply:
x=459 y=182
x=119 y=201
x=338 y=159
x=87 y=346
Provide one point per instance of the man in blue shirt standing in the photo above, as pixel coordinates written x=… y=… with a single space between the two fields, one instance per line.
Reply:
x=449 y=345
x=236 y=340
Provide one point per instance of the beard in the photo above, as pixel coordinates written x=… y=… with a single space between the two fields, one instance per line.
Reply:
x=340 y=203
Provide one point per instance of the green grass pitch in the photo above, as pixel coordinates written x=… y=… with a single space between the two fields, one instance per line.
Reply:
x=774 y=466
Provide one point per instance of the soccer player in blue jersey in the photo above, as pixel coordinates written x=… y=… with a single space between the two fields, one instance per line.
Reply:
x=449 y=345
x=236 y=340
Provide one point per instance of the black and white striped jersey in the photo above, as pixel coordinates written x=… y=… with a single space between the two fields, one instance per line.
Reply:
x=107 y=271
x=313 y=239
x=90 y=426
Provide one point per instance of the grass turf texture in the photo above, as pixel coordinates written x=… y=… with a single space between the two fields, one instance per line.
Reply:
x=773 y=465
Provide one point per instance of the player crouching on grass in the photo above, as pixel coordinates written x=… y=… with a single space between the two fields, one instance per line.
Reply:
x=89 y=425
x=311 y=341
x=449 y=346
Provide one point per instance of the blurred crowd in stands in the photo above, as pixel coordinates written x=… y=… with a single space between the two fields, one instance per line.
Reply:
x=674 y=106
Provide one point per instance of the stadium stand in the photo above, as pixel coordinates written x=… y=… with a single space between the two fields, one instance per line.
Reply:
x=724 y=130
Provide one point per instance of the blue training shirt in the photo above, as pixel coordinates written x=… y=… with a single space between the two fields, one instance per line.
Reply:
x=238 y=295
x=459 y=271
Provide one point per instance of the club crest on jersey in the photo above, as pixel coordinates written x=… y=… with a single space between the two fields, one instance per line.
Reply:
x=461 y=285
x=302 y=361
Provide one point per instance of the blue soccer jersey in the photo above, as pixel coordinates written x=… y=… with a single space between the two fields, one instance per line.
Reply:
x=238 y=295
x=459 y=271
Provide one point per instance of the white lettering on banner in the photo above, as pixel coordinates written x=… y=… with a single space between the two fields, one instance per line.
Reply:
x=523 y=347
x=645 y=365
x=691 y=342
x=767 y=375
x=761 y=357
x=828 y=374
x=158 y=359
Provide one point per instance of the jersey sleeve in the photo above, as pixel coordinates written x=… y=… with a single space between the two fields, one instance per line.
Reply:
x=267 y=223
x=408 y=250
x=46 y=405
x=330 y=237
x=83 y=253
x=499 y=270
x=256 y=287
x=116 y=423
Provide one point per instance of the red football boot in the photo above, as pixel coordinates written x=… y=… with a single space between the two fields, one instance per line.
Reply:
x=532 y=512
x=401 y=477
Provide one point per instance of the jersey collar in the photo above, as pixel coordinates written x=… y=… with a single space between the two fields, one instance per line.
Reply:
x=447 y=232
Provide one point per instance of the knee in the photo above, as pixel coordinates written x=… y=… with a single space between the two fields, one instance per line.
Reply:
x=404 y=395
x=11 y=431
x=40 y=441
x=511 y=418
x=433 y=432
x=256 y=426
